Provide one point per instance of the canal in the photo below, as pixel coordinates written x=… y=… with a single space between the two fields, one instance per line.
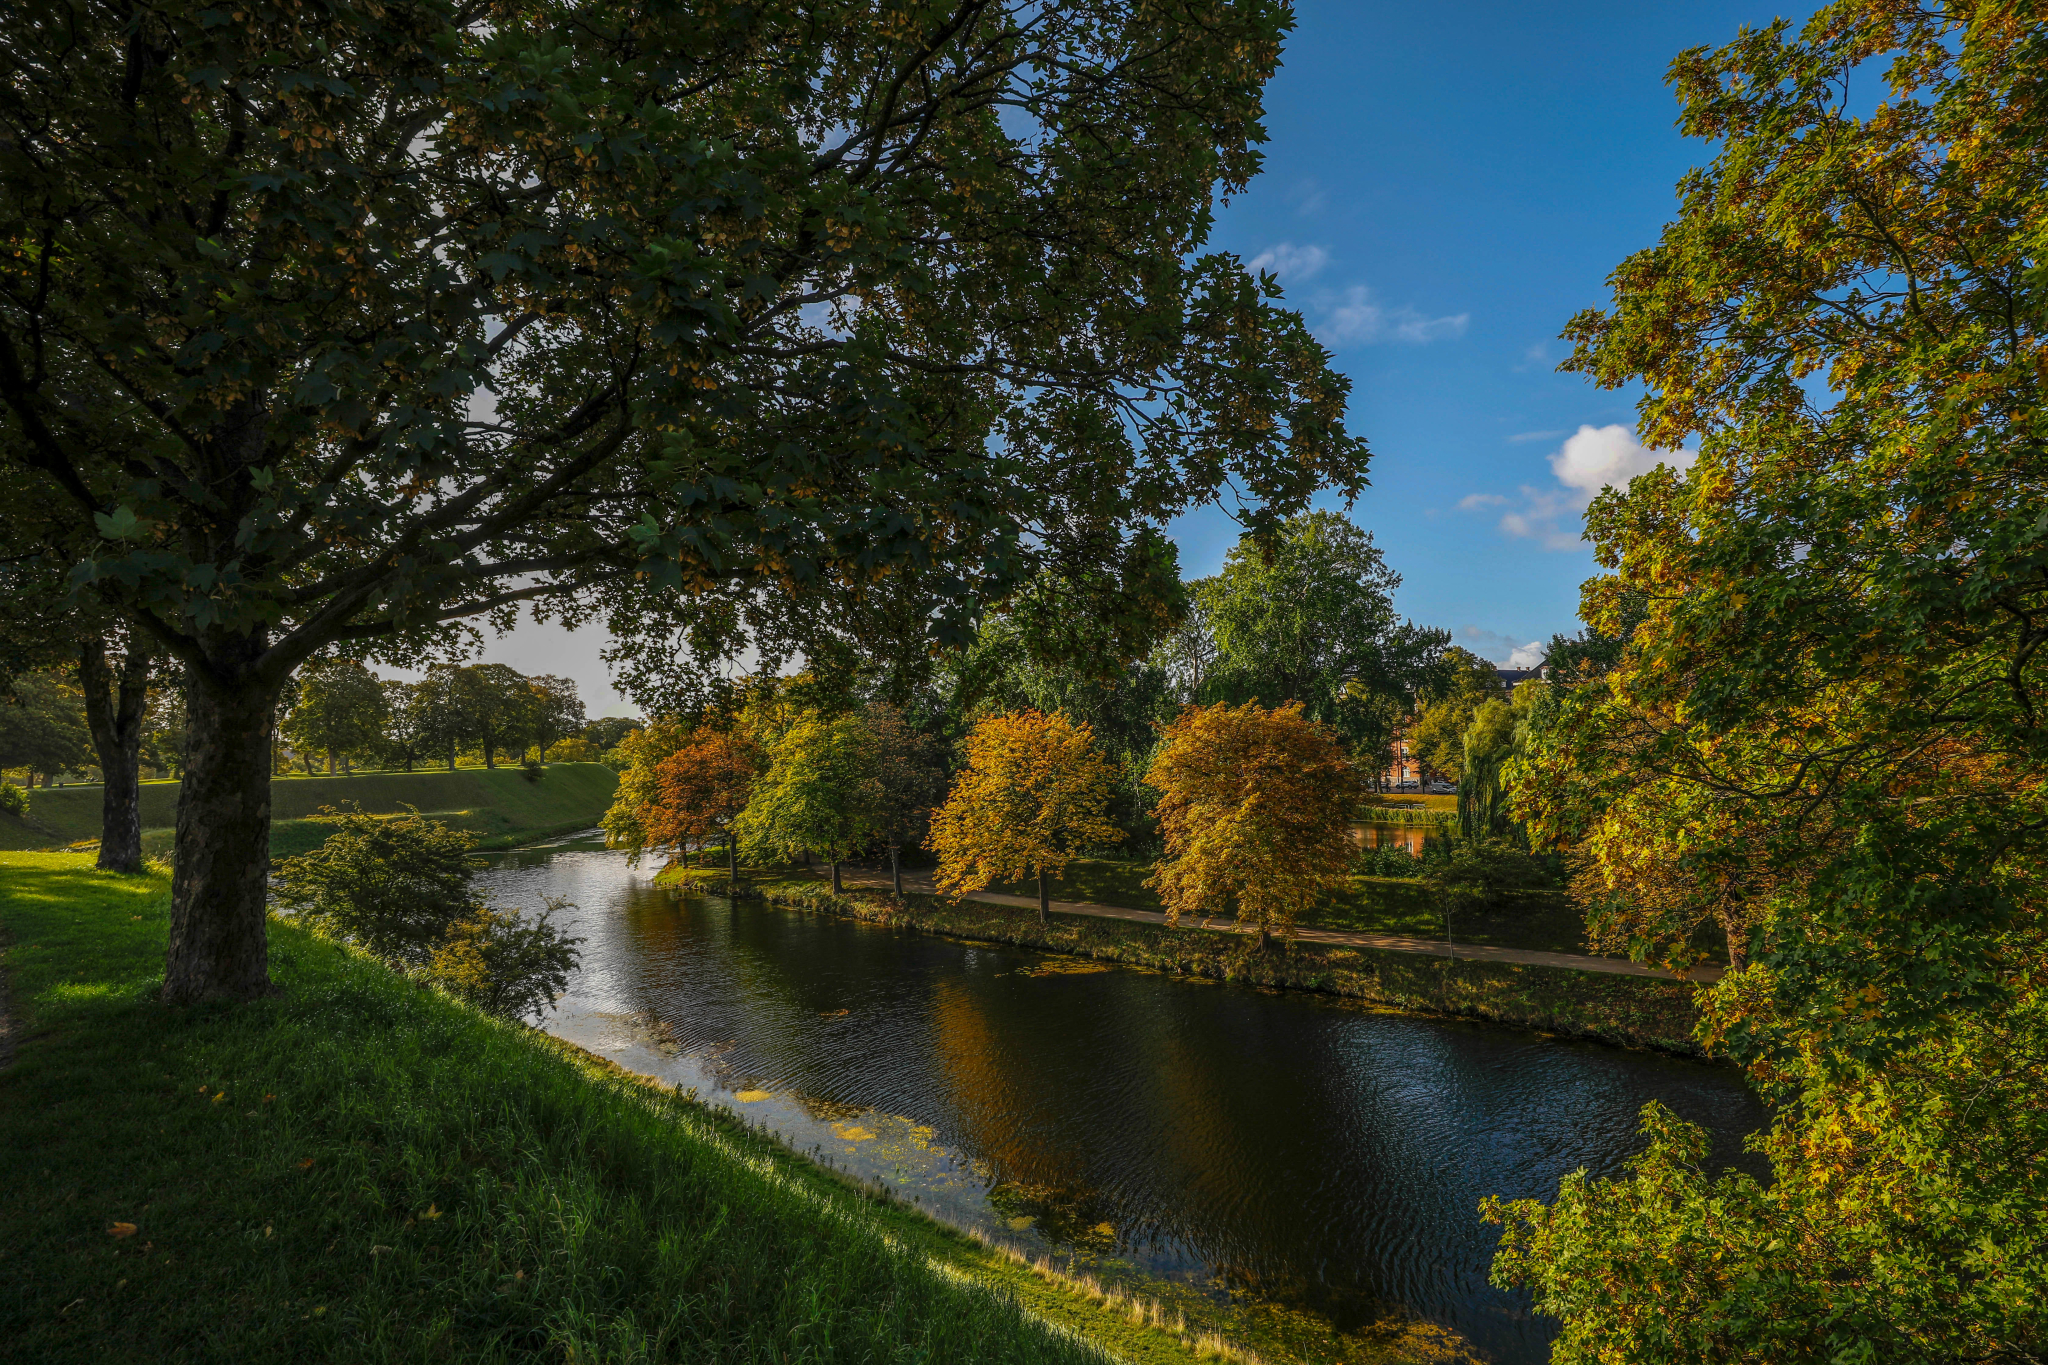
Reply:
x=1281 y=1150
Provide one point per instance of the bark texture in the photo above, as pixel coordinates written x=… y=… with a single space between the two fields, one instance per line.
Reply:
x=1044 y=900
x=218 y=947
x=115 y=707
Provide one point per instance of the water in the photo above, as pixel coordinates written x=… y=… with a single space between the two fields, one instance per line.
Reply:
x=1217 y=1140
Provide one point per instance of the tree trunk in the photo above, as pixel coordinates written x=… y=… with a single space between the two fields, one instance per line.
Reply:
x=1736 y=944
x=732 y=859
x=330 y=762
x=451 y=755
x=1044 y=901
x=896 y=871
x=490 y=748
x=836 y=887
x=218 y=948
x=114 y=711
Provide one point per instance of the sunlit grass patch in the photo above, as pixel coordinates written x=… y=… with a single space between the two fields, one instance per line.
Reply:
x=360 y=1170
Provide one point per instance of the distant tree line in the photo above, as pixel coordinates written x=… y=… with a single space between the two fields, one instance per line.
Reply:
x=343 y=714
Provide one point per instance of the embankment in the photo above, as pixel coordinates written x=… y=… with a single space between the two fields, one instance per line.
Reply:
x=1632 y=1011
x=502 y=806
x=357 y=1169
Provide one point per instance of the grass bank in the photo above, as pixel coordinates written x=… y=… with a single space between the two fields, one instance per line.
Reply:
x=501 y=806
x=1633 y=1011
x=358 y=1170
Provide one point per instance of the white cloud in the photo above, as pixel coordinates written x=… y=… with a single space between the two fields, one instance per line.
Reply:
x=1290 y=262
x=1592 y=458
x=1472 y=500
x=1522 y=436
x=1356 y=318
x=1534 y=357
x=1498 y=648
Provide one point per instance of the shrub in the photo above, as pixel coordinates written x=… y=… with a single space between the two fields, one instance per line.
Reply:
x=1475 y=875
x=1388 y=860
x=533 y=770
x=13 y=799
x=400 y=887
x=502 y=963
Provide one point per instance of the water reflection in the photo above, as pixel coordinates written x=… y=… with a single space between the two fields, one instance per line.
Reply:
x=1300 y=1149
x=1409 y=837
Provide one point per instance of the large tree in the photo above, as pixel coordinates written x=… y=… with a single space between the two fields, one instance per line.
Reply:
x=909 y=769
x=1257 y=807
x=43 y=727
x=1309 y=616
x=1828 y=731
x=818 y=794
x=558 y=710
x=391 y=315
x=342 y=711
x=1462 y=683
x=1034 y=792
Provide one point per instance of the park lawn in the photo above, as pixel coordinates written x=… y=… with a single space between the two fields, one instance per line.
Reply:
x=1543 y=922
x=501 y=806
x=360 y=1170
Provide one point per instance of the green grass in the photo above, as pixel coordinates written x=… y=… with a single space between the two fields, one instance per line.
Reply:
x=358 y=1170
x=1544 y=922
x=500 y=805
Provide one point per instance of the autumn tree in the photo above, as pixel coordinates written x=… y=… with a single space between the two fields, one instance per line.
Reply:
x=818 y=794
x=700 y=790
x=322 y=335
x=1033 y=793
x=640 y=752
x=1257 y=807
x=1827 y=726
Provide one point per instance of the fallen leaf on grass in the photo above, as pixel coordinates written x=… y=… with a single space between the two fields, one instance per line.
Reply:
x=122 y=1229
x=221 y=1096
x=378 y=1251
x=307 y=1164
x=433 y=1211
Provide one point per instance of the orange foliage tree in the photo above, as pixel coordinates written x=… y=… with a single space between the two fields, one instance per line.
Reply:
x=1033 y=793
x=700 y=791
x=1256 y=807
x=682 y=787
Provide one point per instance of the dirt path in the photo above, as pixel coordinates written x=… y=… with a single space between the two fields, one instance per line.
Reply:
x=921 y=883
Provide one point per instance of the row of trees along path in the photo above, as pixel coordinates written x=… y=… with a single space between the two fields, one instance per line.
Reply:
x=1256 y=807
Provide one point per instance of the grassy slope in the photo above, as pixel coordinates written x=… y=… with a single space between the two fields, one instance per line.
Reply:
x=358 y=1170
x=1384 y=905
x=1639 y=1011
x=497 y=804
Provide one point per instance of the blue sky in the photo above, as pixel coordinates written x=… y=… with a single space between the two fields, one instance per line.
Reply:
x=1445 y=185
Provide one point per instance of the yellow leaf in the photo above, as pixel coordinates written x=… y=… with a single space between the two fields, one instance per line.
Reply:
x=122 y=1229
